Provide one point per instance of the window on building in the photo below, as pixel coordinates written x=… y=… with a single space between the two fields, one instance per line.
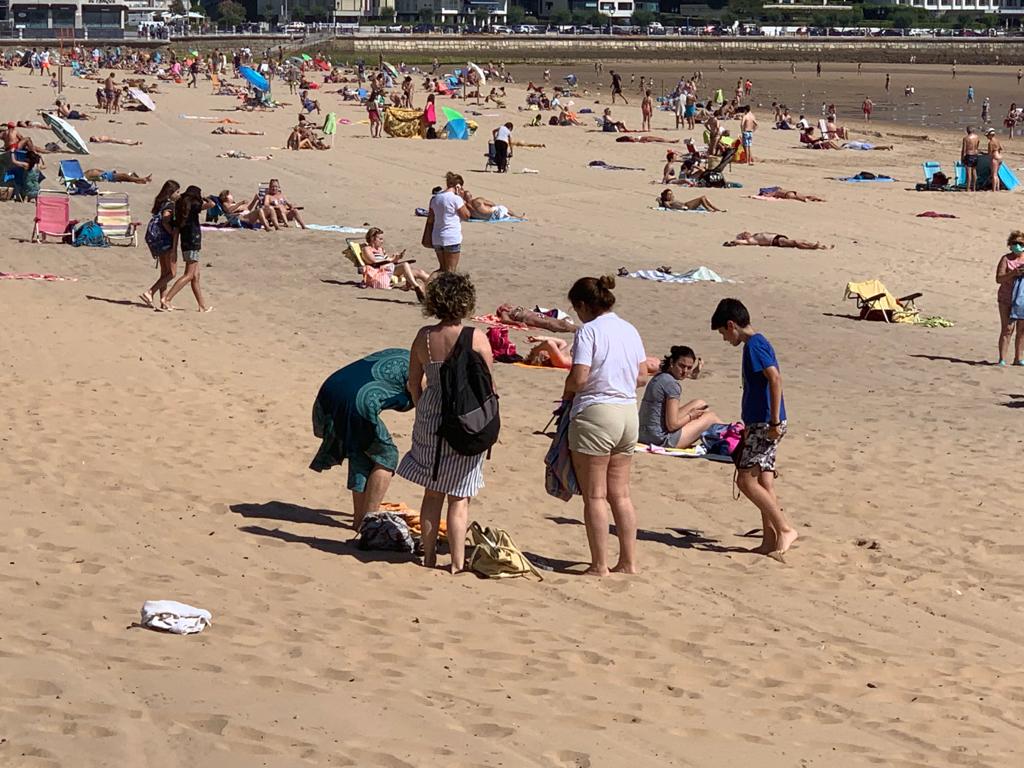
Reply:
x=63 y=16
x=101 y=17
x=32 y=18
x=625 y=6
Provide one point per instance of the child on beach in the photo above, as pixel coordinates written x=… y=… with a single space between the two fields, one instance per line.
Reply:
x=764 y=416
x=190 y=235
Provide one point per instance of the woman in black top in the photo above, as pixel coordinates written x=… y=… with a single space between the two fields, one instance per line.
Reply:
x=190 y=236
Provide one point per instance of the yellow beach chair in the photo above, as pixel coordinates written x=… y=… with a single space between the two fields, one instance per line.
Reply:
x=876 y=303
x=114 y=216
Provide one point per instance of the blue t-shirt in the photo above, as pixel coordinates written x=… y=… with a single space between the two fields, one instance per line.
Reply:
x=758 y=354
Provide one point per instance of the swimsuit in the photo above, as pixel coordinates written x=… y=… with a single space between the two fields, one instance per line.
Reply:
x=777 y=240
x=748 y=138
x=971 y=161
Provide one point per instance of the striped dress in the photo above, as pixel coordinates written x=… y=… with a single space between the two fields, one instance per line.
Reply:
x=457 y=475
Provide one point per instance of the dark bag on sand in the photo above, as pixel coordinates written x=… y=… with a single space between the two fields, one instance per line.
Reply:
x=713 y=179
x=469 y=406
x=385 y=531
x=427 y=241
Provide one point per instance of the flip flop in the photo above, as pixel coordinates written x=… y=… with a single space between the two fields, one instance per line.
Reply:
x=146 y=299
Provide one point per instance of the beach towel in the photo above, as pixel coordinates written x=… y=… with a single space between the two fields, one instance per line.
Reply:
x=866 y=176
x=602 y=165
x=494 y=320
x=698 y=275
x=339 y=229
x=538 y=367
x=403 y=123
x=696 y=452
x=35 y=276
x=936 y=215
x=174 y=617
x=559 y=476
x=506 y=220
x=1017 y=302
x=678 y=210
x=864 y=145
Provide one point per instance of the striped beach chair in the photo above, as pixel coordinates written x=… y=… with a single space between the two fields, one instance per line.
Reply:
x=114 y=216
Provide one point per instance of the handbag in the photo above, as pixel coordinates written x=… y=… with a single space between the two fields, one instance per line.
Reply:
x=494 y=555
x=427 y=241
x=1017 y=302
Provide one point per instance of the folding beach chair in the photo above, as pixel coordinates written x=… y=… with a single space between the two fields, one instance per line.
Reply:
x=490 y=157
x=53 y=213
x=70 y=172
x=876 y=303
x=930 y=169
x=114 y=216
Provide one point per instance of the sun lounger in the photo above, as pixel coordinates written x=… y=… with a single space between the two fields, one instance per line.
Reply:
x=53 y=213
x=114 y=216
x=70 y=172
x=876 y=303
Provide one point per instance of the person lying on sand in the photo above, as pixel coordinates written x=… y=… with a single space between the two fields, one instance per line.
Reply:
x=773 y=240
x=65 y=111
x=95 y=174
x=510 y=313
x=32 y=124
x=110 y=140
x=789 y=194
x=646 y=140
x=220 y=129
x=238 y=154
x=549 y=352
x=487 y=210
x=667 y=200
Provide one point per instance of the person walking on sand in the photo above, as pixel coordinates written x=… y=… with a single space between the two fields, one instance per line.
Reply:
x=969 y=150
x=162 y=239
x=817 y=69
x=608 y=363
x=190 y=236
x=748 y=125
x=995 y=156
x=970 y=94
x=646 y=111
x=763 y=412
x=1008 y=272
x=867 y=107
x=617 y=86
x=432 y=463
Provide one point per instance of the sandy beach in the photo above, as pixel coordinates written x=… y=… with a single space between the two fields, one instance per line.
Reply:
x=150 y=455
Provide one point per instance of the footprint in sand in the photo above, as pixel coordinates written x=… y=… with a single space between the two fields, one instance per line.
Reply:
x=491 y=730
x=567 y=758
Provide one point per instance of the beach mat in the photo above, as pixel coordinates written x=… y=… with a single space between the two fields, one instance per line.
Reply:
x=857 y=180
x=698 y=275
x=696 y=452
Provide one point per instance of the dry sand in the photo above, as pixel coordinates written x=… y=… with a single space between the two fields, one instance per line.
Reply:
x=149 y=455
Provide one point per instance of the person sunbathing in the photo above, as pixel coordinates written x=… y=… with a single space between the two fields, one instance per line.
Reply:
x=487 y=210
x=12 y=140
x=222 y=129
x=510 y=313
x=243 y=215
x=280 y=211
x=65 y=111
x=646 y=140
x=774 y=240
x=379 y=266
x=807 y=137
x=95 y=174
x=789 y=194
x=110 y=140
x=612 y=126
x=238 y=154
x=549 y=353
x=667 y=200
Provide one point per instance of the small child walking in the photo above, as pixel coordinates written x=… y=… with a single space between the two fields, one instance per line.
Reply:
x=190 y=235
x=764 y=417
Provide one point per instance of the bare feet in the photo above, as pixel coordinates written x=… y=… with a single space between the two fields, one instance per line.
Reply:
x=625 y=568
x=593 y=571
x=430 y=562
x=206 y=309
x=762 y=549
x=146 y=298
x=786 y=539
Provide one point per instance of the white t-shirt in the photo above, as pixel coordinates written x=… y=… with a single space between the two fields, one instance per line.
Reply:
x=447 y=223
x=614 y=351
x=503 y=134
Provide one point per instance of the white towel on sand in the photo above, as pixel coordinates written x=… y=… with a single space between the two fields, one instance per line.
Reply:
x=175 y=617
x=698 y=275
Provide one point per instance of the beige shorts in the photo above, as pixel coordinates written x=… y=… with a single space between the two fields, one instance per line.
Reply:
x=604 y=429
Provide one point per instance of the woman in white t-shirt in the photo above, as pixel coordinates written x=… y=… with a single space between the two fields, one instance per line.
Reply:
x=444 y=222
x=608 y=363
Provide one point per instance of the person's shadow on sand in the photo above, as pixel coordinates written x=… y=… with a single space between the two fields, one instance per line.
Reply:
x=960 y=360
x=683 y=538
x=292 y=513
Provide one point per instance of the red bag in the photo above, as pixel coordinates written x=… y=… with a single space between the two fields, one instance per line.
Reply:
x=501 y=346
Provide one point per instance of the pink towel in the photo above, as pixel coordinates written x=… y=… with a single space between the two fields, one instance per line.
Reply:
x=34 y=276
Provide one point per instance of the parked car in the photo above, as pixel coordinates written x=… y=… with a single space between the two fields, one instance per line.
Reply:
x=423 y=29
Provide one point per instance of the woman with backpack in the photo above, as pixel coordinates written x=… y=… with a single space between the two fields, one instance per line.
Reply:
x=161 y=237
x=190 y=237
x=608 y=362
x=444 y=355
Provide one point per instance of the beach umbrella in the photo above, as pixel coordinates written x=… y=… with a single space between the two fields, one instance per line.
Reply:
x=66 y=133
x=254 y=78
x=306 y=57
x=479 y=72
x=457 y=129
x=391 y=70
x=452 y=114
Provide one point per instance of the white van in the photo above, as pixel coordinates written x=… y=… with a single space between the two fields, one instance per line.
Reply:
x=293 y=28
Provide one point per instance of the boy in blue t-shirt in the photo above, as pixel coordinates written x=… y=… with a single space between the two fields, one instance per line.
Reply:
x=764 y=415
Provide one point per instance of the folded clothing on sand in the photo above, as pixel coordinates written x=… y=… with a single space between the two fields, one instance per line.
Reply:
x=866 y=176
x=174 y=617
x=936 y=215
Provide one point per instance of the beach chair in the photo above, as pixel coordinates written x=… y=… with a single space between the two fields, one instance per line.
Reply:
x=70 y=172
x=876 y=303
x=53 y=214
x=490 y=157
x=930 y=169
x=114 y=216
x=215 y=82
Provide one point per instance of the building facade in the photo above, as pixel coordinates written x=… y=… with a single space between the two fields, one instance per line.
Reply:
x=448 y=12
x=952 y=6
x=39 y=15
x=616 y=9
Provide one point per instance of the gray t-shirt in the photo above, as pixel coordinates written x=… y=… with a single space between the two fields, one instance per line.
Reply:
x=652 y=410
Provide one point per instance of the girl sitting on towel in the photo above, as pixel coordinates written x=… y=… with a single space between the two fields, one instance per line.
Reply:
x=664 y=420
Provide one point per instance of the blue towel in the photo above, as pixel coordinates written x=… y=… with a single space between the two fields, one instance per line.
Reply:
x=1017 y=303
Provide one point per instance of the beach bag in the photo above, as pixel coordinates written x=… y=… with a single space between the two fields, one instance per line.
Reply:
x=89 y=233
x=736 y=436
x=427 y=240
x=938 y=180
x=501 y=347
x=493 y=555
x=157 y=238
x=559 y=474
x=84 y=187
x=1017 y=301
x=470 y=421
x=713 y=179
x=387 y=532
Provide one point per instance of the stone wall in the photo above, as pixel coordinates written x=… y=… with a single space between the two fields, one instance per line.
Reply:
x=557 y=49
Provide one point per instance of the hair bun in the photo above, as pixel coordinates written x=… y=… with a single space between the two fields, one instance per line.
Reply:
x=606 y=281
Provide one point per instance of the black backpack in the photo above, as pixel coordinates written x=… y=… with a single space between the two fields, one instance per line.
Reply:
x=469 y=406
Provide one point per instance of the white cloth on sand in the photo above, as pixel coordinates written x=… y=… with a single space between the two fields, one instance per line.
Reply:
x=698 y=275
x=177 y=618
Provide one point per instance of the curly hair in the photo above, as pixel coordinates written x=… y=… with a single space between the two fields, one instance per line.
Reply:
x=1015 y=237
x=450 y=297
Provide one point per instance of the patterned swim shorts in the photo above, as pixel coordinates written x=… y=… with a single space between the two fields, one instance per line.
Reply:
x=758 y=449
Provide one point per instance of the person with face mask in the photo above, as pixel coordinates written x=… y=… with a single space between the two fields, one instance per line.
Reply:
x=1010 y=279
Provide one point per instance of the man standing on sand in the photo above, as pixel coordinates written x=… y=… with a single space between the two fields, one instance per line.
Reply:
x=886 y=82
x=818 y=68
x=617 y=86
x=867 y=106
x=1020 y=74
x=748 y=125
x=969 y=157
